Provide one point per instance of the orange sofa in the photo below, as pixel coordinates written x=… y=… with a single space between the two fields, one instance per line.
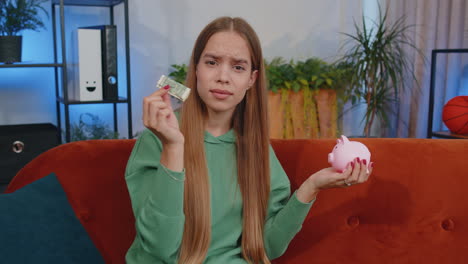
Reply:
x=412 y=210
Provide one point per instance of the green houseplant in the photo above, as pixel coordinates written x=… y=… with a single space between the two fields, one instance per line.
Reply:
x=179 y=73
x=91 y=127
x=16 y=16
x=378 y=53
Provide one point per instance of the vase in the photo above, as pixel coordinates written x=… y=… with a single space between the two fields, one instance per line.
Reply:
x=10 y=49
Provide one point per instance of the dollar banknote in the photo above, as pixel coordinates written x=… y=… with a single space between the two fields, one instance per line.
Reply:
x=177 y=90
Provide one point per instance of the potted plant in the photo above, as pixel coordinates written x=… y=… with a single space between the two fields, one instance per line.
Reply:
x=16 y=16
x=91 y=127
x=282 y=87
x=381 y=66
x=305 y=96
x=329 y=85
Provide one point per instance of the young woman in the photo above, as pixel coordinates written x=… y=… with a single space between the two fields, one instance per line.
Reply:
x=211 y=189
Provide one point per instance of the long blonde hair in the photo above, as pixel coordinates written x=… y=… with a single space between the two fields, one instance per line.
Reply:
x=250 y=122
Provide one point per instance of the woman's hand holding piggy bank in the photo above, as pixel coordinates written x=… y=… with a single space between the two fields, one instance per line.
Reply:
x=351 y=165
x=346 y=151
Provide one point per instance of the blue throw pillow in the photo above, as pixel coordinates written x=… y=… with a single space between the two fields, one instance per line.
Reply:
x=38 y=225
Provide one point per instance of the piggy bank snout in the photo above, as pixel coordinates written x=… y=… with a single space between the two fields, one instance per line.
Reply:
x=331 y=157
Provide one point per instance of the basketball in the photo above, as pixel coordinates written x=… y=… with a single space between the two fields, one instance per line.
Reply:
x=455 y=115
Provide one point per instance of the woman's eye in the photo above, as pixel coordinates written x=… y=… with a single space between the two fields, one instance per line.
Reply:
x=211 y=62
x=239 y=68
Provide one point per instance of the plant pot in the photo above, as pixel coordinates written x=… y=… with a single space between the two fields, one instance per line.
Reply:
x=10 y=49
x=311 y=124
x=296 y=100
x=275 y=112
x=327 y=112
x=279 y=108
x=302 y=115
x=288 y=127
x=279 y=112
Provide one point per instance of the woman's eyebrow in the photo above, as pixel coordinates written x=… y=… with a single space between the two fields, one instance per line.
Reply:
x=235 y=60
x=209 y=55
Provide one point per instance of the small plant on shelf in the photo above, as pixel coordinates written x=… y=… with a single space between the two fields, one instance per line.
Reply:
x=91 y=127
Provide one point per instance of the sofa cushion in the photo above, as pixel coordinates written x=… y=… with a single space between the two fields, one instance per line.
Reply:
x=91 y=173
x=38 y=225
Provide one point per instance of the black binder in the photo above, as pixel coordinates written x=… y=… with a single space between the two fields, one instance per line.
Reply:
x=109 y=61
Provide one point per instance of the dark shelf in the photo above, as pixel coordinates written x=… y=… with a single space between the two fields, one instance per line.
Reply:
x=106 y=3
x=72 y=102
x=30 y=65
x=448 y=134
x=450 y=50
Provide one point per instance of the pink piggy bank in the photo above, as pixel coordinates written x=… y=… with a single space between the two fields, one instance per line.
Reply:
x=346 y=151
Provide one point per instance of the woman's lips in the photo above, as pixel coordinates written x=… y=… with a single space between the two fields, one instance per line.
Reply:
x=220 y=94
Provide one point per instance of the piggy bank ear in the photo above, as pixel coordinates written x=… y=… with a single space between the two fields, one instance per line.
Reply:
x=344 y=139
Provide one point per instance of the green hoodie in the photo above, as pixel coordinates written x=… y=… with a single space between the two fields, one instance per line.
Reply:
x=157 y=200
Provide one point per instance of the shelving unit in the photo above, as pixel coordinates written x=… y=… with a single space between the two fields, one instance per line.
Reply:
x=430 y=132
x=64 y=99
